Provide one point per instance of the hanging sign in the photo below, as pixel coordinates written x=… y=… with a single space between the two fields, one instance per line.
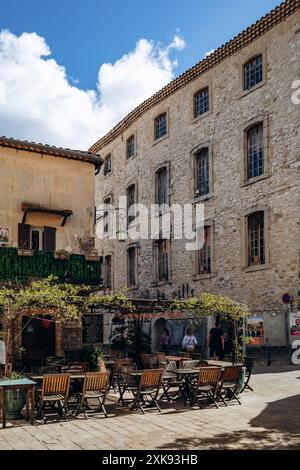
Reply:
x=2 y=352
x=287 y=298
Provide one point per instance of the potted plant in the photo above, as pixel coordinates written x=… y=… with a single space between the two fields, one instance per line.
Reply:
x=61 y=254
x=15 y=399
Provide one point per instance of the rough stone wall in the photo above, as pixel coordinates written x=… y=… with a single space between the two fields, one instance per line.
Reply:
x=230 y=113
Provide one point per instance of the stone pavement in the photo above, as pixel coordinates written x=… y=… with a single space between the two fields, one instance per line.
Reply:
x=269 y=418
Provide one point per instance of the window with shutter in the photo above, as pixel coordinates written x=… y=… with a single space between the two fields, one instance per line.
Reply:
x=24 y=236
x=162 y=186
x=49 y=239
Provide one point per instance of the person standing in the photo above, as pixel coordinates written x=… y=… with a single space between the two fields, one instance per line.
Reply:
x=216 y=342
x=165 y=340
x=189 y=342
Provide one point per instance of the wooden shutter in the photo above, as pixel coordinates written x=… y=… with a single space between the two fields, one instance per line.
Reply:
x=49 y=238
x=24 y=236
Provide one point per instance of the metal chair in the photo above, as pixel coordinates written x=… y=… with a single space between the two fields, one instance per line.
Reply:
x=55 y=390
x=147 y=391
x=229 y=384
x=95 y=386
x=206 y=387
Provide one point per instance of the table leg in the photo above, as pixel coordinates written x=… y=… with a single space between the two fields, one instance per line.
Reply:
x=27 y=403
x=32 y=404
x=3 y=400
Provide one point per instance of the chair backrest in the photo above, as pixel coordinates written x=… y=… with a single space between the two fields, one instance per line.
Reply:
x=56 y=383
x=170 y=367
x=95 y=381
x=47 y=370
x=231 y=373
x=249 y=362
x=83 y=366
x=161 y=357
x=190 y=364
x=209 y=376
x=151 y=378
x=147 y=360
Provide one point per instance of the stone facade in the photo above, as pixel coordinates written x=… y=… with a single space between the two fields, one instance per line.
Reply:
x=231 y=198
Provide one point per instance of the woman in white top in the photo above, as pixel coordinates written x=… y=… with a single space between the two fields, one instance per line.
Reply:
x=189 y=341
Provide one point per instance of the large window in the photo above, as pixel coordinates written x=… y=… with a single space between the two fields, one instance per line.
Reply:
x=253 y=72
x=162 y=260
x=204 y=254
x=201 y=103
x=161 y=186
x=256 y=239
x=160 y=126
x=131 y=201
x=255 y=151
x=202 y=172
x=130 y=147
x=131 y=267
x=107 y=165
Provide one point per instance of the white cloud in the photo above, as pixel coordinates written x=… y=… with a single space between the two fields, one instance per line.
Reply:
x=43 y=104
x=209 y=53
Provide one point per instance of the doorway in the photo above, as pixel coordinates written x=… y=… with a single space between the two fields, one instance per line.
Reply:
x=38 y=339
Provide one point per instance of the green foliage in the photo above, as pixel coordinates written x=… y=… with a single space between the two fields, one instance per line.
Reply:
x=60 y=300
x=92 y=355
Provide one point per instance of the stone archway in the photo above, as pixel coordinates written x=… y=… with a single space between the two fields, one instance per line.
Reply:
x=156 y=331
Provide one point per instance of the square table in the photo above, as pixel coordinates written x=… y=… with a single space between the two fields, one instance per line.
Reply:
x=186 y=375
x=18 y=384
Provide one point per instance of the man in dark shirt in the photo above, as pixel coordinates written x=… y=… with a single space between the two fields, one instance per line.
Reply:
x=216 y=342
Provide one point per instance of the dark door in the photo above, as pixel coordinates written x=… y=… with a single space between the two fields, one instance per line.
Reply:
x=38 y=339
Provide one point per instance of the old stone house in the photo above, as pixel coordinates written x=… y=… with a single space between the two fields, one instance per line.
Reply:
x=47 y=200
x=224 y=134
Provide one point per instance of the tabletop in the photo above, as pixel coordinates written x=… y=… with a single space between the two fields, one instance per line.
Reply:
x=221 y=363
x=16 y=382
x=176 y=358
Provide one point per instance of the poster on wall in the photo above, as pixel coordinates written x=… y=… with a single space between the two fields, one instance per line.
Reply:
x=255 y=333
x=295 y=324
x=3 y=235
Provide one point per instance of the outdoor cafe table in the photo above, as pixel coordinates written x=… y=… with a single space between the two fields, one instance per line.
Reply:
x=19 y=384
x=186 y=375
x=176 y=359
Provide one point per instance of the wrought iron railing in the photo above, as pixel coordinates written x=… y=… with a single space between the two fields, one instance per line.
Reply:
x=74 y=269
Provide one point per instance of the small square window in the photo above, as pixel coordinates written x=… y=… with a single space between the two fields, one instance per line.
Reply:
x=202 y=102
x=131 y=147
x=253 y=72
x=160 y=126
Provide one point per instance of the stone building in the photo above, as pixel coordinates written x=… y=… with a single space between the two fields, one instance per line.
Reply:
x=47 y=201
x=225 y=134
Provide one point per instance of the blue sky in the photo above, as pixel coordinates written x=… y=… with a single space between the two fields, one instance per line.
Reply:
x=71 y=69
x=84 y=33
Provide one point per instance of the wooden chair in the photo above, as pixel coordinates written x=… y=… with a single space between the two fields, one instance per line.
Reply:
x=95 y=386
x=116 y=369
x=126 y=383
x=47 y=370
x=83 y=366
x=161 y=359
x=147 y=391
x=206 y=386
x=170 y=381
x=249 y=363
x=55 y=390
x=147 y=360
x=190 y=364
x=229 y=384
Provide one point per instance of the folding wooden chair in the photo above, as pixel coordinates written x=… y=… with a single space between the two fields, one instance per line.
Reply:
x=126 y=382
x=170 y=381
x=190 y=364
x=147 y=360
x=249 y=362
x=55 y=390
x=206 y=387
x=95 y=386
x=115 y=371
x=229 y=384
x=148 y=390
x=161 y=359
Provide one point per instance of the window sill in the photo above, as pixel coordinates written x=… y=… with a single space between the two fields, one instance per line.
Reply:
x=254 y=88
x=199 y=277
x=201 y=116
x=255 y=180
x=164 y=137
x=161 y=283
x=129 y=159
x=259 y=267
x=203 y=198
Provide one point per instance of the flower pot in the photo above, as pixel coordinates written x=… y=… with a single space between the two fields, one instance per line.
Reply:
x=15 y=402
